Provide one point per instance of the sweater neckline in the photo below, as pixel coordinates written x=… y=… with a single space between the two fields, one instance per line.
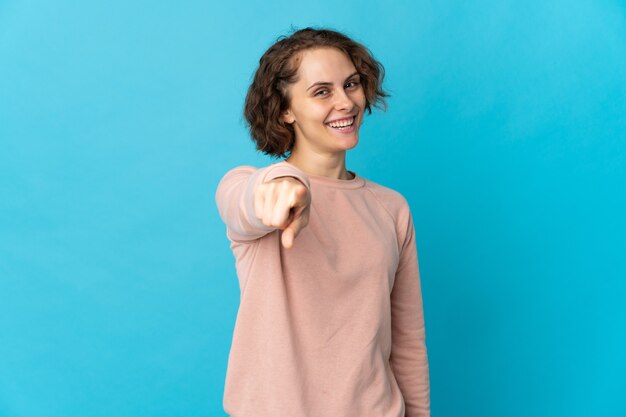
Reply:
x=356 y=182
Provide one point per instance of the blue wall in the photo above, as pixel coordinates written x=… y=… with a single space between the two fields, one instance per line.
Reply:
x=506 y=132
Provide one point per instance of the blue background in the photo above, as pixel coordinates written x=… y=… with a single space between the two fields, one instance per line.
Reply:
x=506 y=132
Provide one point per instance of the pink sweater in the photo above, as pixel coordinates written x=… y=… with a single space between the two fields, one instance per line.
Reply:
x=333 y=326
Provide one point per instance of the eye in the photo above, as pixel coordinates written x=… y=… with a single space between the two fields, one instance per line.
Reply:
x=354 y=84
x=320 y=91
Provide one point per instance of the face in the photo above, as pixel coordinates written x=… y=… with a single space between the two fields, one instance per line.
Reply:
x=327 y=97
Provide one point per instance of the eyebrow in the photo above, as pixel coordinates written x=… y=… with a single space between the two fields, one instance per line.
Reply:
x=327 y=83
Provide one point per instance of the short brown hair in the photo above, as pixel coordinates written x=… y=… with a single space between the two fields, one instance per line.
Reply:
x=267 y=96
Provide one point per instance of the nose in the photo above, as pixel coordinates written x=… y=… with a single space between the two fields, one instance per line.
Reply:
x=343 y=101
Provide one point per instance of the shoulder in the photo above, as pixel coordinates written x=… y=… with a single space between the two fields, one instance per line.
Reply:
x=395 y=203
x=240 y=170
x=276 y=169
x=392 y=200
x=234 y=177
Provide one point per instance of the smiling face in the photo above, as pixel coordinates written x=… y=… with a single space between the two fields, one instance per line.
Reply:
x=327 y=96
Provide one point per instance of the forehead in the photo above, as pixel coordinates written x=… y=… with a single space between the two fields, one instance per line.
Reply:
x=324 y=64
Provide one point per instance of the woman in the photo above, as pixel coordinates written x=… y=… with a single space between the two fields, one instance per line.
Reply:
x=330 y=322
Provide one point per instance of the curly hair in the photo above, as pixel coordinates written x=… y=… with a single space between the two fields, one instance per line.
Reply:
x=268 y=96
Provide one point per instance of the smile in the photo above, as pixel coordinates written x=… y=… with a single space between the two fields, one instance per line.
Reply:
x=342 y=124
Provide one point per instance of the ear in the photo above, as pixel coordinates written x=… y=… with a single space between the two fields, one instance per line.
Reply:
x=287 y=117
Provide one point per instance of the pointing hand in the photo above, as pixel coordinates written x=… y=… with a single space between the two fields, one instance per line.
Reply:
x=284 y=203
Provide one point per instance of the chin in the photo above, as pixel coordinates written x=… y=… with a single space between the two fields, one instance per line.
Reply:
x=351 y=144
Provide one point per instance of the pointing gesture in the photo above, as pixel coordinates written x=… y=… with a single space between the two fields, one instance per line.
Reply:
x=283 y=202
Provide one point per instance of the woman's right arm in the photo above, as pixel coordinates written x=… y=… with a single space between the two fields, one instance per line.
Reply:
x=235 y=198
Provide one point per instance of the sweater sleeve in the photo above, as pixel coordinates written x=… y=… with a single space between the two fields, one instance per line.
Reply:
x=235 y=198
x=409 y=359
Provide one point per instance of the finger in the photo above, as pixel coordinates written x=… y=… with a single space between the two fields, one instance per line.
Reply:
x=283 y=214
x=287 y=238
x=294 y=228
x=299 y=197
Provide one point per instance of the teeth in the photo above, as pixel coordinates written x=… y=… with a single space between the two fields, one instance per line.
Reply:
x=342 y=124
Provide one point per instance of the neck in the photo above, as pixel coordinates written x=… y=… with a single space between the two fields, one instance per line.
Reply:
x=331 y=167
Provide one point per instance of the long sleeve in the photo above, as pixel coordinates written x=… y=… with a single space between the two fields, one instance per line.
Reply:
x=235 y=198
x=409 y=359
x=333 y=326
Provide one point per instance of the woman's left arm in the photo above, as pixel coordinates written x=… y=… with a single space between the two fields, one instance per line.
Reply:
x=409 y=358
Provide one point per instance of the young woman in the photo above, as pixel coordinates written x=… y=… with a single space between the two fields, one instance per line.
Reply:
x=330 y=322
